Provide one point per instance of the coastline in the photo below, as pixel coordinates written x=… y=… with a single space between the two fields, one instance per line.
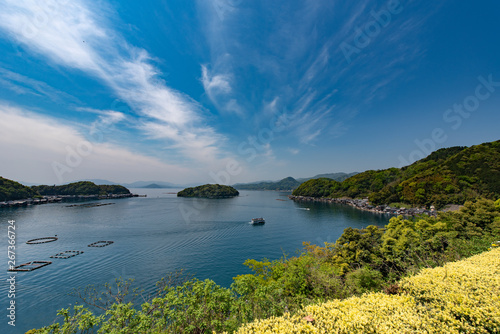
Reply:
x=363 y=204
x=60 y=198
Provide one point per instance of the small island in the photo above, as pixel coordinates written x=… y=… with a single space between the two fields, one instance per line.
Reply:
x=82 y=188
x=13 y=193
x=209 y=191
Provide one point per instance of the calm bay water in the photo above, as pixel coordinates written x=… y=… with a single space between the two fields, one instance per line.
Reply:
x=154 y=236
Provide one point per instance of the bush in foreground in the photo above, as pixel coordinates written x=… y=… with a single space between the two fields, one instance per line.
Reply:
x=460 y=297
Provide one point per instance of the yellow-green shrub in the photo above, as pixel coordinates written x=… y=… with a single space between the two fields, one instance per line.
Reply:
x=460 y=297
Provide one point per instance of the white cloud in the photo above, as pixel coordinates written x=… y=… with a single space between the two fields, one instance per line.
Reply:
x=74 y=35
x=61 y=31
x=308 y=137
x=219 y=91
x=41 y=149
x=215 y=84
x=106 y=120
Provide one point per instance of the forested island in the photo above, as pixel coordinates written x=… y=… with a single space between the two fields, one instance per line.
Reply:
x=209 y=191
x=447 y=176
x=15 y=191
x=12 y=190
x=82 y=188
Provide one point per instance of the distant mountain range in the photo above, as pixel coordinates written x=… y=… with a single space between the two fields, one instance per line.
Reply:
x=151 y=184
x=289 y=183
x=139 y=184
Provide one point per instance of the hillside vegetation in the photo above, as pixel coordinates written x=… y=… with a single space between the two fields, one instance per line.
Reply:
x=334 y=176
x=209 y=191
x=80 y=189
x=447 y=176
x=288 y=183
x=460 y=297
x=12 y=190
x=358 y=278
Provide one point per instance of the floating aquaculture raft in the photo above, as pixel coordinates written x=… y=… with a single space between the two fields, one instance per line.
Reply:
x=91 y=205
x=100 y=244
x=30 y=266
x=41 y=240
x=66 y=254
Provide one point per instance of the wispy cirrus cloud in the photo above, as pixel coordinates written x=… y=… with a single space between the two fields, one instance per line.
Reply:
x=23 y=85
x=76 y=36
x=297 y=57
x=214 y=84
x=219 y=91
x=106 y=120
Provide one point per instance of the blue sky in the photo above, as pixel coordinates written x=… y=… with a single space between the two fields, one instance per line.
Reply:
x=234 y=91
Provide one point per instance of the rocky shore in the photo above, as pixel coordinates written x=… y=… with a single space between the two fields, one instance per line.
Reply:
x=61 y=198
x=363 y=204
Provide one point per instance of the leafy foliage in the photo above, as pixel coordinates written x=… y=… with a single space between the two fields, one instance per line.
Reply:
x=80 y=188
x=209 y=191
x=447 y=176
x=460 y=297
x=334 y=176
x=11 y=190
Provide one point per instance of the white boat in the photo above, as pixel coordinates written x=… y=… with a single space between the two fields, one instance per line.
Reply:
x=257 y=221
